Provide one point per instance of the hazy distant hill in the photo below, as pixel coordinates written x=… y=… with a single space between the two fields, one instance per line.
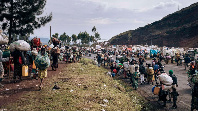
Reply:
x=179 y=29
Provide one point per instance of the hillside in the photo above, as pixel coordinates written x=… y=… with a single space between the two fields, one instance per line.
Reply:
x=179 y=29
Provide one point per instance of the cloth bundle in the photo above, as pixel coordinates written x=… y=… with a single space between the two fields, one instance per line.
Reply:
x=42 y=62
x=19 y=45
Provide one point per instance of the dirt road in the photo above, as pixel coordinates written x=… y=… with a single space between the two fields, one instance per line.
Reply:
x=11 y=91
x=184 y=98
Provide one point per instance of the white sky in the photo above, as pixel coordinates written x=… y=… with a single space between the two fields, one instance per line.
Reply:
x=110 y=17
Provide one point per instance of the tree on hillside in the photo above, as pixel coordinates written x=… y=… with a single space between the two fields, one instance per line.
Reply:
x=74 y=38
x=21 y=17
x=129 y=37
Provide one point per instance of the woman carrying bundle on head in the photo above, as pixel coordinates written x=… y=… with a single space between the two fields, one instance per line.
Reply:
x=42 y=62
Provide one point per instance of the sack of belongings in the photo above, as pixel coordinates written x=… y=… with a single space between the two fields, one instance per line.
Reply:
x=165 y=79
x=20 y=45
x=36 y=41
x=42 y=62
x=55 y=41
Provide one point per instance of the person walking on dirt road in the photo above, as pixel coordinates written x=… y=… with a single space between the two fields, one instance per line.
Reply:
x=42 y=73
x=174 y=93
x=19 y=60
x=166 y=83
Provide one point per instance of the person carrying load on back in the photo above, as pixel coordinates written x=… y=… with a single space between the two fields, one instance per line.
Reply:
x=36 y=43
x=174 y=93
x=166 y=83
x=42 y=62
x=55 y=54
x=19 y=60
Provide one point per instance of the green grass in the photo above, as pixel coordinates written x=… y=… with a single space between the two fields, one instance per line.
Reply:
x=84 y=87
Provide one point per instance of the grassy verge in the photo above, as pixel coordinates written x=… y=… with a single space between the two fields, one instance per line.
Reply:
x=83 y=87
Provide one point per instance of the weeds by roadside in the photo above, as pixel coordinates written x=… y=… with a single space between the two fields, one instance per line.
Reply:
x=83 y=87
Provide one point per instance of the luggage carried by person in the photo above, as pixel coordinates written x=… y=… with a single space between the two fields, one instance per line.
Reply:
x=20 y=45
x=36 y=41
x=55 y=41
x=3 y=38
x=42 y=62
x=166 y=79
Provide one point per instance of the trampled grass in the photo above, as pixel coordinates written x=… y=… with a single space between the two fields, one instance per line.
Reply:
x=83 y=87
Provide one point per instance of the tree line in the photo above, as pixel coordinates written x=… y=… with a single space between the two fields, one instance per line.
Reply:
x=84 y=37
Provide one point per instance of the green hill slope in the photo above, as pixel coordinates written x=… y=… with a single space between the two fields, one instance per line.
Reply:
x=179 y=29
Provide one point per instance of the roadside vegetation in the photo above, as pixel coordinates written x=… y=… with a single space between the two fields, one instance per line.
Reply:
x=83 y=87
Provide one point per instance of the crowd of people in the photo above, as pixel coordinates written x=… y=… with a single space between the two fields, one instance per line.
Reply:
x=34 y=61
x=126 y=65
x=130 y=65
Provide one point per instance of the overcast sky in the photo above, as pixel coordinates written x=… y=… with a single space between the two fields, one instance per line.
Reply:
x=110 y=17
